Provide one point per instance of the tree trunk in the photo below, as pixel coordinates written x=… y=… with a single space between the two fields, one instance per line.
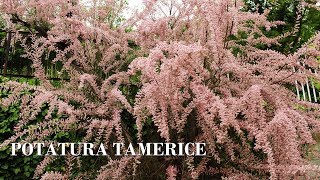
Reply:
x=6 y=53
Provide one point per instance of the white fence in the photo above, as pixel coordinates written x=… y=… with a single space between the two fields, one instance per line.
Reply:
x=306 y=90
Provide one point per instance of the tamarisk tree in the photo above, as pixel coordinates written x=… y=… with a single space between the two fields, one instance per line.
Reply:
x=187 y=71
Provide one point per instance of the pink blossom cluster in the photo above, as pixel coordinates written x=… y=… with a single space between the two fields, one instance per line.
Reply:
x=190 y=84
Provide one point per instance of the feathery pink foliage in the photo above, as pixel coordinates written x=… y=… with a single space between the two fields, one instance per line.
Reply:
x=191 y=85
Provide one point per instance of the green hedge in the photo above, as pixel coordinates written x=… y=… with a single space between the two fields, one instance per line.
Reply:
x=13 y=167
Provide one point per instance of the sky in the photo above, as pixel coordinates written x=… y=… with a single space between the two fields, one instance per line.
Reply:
x=133 y=6
x=135 y=3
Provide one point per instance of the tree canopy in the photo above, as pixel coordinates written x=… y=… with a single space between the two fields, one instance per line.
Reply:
x=220 y=72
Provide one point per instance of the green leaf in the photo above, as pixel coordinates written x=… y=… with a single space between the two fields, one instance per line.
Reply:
x=26 y=159
x=45 y=112
x=16 y=170
x=27 y=174
x=3 y=155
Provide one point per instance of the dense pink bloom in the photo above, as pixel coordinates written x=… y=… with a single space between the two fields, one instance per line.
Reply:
x=190 y=85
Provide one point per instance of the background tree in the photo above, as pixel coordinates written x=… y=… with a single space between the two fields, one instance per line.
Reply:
x=203 y=72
